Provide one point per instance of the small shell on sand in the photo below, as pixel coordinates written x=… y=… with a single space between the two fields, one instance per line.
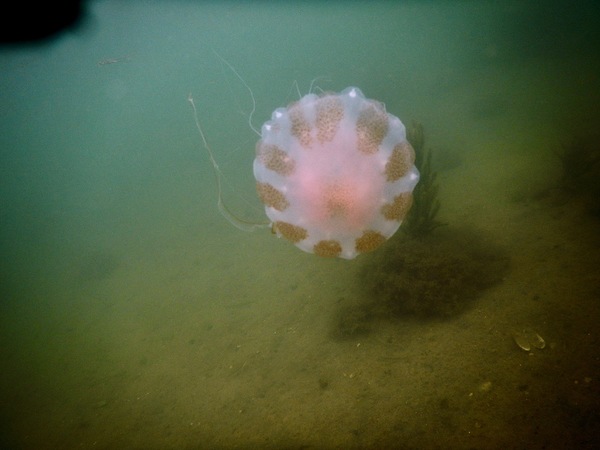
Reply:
x=527 y=339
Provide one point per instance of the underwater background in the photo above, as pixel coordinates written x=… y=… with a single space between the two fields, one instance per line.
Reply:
x=133 y=315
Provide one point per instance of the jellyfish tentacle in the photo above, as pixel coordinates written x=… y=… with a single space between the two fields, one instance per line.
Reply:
x=251 y=115
x=244 y=225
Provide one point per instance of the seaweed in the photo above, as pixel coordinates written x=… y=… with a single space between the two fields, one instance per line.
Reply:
x=439 y=276
x=420 y=273
x=580 y=163
x=421 y=220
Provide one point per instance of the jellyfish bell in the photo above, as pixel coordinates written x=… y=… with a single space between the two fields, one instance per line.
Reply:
x=334 y=171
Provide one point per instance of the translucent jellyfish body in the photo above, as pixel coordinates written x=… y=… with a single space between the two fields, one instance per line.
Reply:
x=335 y=173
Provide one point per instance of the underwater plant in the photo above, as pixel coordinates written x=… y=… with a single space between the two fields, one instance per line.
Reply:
x=420 y=273
x=580 y=171
x=421 y=219
x=440 y=276
x=580 y=163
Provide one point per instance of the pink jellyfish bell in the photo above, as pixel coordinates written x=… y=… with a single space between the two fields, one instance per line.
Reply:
x=335 y=173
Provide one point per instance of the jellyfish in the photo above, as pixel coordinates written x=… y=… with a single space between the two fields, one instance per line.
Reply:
x=334 y=171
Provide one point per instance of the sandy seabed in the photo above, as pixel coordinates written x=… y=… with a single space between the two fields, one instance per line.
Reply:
x=201 y=336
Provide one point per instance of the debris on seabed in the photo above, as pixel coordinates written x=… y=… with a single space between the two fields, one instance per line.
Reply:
x=527 y=339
